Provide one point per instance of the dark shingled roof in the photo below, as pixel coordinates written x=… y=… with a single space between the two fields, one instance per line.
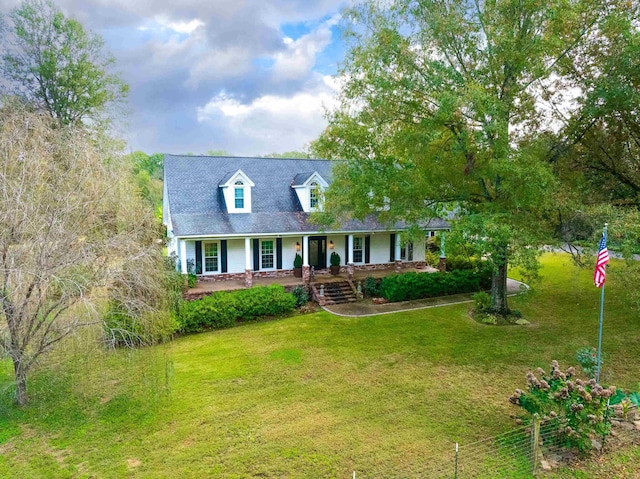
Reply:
x=197 y=205
x=300 y=178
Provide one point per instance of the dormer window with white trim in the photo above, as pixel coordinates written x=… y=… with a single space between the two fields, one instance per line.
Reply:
x=309 y=187
x=236 y=189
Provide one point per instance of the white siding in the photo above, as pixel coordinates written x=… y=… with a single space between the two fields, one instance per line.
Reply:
x=289 y=251
x=379 y=249
x=303 y=197
x=338 y=247
x=235 y=256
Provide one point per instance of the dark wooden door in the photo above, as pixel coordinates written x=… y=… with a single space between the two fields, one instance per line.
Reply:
x=318 y=252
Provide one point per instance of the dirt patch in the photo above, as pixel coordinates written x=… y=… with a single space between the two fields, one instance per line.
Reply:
x=133 y=463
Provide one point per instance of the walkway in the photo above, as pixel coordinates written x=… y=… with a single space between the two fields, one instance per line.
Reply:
x=366 y=308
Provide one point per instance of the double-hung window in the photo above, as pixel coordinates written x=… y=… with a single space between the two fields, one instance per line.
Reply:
x=267 y=255
x=238 y=194
x=357 y=249
x=211 y=259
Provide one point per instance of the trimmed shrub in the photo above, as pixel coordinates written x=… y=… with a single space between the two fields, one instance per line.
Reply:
x=222 y=309
x=215 y=311
x=263 y=301
x=408 y=286
x=372 y=287
x=301 y=295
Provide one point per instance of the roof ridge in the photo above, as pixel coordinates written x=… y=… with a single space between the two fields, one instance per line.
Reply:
x=245 y=157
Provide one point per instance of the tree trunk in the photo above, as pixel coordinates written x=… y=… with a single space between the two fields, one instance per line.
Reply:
x=21 y=382
x=499 y=289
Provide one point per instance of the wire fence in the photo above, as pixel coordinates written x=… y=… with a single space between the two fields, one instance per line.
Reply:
x=520 y=453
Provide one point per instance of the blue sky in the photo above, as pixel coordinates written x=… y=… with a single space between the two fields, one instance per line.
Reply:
x=247 y=76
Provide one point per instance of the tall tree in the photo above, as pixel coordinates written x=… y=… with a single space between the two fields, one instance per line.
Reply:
x=73 y=236
x=54 y=63
x=445 y=107
x=148 y=171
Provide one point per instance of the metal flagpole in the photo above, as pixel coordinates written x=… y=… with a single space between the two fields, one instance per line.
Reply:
x=600 y=335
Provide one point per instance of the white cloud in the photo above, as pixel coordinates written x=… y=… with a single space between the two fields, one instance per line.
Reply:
x=180 y=27
x=300 y=55
x=271 y=123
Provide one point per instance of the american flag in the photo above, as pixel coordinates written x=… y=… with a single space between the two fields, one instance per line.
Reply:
x=601 y=262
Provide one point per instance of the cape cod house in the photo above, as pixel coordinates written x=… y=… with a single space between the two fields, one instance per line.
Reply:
x=232 y=218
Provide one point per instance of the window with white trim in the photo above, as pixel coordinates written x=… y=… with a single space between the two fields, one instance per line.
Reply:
x=211 y=258
x=267 y=255
x=238 y=195
x=357 y=249
x=406 y=252
x=314 y=190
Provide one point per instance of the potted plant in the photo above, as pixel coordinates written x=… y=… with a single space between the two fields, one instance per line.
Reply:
x=335 y=263
x=297 y=266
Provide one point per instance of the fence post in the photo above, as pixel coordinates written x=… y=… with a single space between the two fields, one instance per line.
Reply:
x=455 y=465
x=535 y=443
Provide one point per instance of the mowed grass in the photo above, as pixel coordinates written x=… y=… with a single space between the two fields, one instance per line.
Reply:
x=313 y=395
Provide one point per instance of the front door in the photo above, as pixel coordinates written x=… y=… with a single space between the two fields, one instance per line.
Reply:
x=318 y=252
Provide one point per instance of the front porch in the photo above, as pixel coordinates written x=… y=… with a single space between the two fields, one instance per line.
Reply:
x=205 y=286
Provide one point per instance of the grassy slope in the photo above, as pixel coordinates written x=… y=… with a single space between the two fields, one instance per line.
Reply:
x=313 y=395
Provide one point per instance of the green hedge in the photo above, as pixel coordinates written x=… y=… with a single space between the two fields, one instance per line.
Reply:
x=263 y=301
x=407 y=286
x=224 y=308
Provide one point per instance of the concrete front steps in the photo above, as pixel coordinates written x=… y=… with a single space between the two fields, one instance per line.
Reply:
x=338 y=292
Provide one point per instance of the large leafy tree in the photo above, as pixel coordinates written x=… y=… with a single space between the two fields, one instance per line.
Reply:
x=453 y=105
x=54 y=63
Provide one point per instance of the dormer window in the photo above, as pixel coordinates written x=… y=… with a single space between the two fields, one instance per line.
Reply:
x=238 y=195
x=309 y=188
x=236 y=189
x=314 y=190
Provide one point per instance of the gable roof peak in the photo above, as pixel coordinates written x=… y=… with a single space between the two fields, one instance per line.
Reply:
x=230 y=178
x=305 y=179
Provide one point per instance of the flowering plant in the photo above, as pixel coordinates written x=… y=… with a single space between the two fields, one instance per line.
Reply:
x=580 y=406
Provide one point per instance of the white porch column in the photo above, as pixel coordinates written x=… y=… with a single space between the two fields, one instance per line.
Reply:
x=247 y=253
x=350 y=267
x=182 y=245
x=397 y=253
x=305 y=251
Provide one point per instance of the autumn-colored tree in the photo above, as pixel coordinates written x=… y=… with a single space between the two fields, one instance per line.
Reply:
x=75 y=241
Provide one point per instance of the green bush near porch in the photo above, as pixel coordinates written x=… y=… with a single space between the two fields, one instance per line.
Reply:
x=224 y=308
x=408 y=286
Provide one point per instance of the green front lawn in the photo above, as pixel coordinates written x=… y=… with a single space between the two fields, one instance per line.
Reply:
x=313 y=395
